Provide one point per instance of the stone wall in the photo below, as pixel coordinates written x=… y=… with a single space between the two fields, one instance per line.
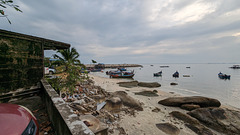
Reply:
x=65 y=122
x=21 y=62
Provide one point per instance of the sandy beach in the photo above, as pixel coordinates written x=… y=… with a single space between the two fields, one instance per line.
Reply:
x=144 y=122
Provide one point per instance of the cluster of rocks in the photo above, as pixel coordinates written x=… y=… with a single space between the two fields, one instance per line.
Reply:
x=101 y=110
x=131 y=84
x=204 y=116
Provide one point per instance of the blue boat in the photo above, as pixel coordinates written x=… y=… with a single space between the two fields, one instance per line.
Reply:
x=223 y=76
x=176 y=74
x=157 y=74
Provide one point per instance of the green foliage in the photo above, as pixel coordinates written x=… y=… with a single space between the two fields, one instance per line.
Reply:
x=47 y=62
x=4 y=4
x=68 y=57
x=72 y=70
x=55 y=83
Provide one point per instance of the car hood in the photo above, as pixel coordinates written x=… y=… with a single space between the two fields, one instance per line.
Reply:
x=13 y=119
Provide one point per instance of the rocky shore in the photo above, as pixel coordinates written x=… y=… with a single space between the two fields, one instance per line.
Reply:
x=157 y=112
x=119 y=107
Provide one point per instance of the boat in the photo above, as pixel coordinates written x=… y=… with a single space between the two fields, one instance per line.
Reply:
x=176 y=74
x=157 y=74
x=95 y=70
x=122 y=69
x=188 y=67
x=235 y=67
x=122 y=74
x=164 y=66
x=223 y=76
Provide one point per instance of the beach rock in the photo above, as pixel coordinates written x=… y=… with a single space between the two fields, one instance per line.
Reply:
x=173 y=83
x=128 y=84
x=127 y=100
x=156 y=110
x=189 y=107
x=155 y=91
x=149 y=84
x=113 y=104
x=147 y=93
x=94 y=124
x=192 y=123
x=168 y=128
x=98 y=98
x=197 y=100
x=221 y=119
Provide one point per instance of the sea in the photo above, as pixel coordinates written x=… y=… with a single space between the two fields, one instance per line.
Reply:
x=203 y=80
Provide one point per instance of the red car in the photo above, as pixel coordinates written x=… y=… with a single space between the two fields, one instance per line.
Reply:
x=17 y=120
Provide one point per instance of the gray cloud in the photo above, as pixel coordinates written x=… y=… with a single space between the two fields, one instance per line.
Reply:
x=135 y=31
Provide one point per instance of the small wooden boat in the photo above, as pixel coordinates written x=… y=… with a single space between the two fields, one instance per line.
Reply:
x=123 y=74
x=157 y=74
x=122 y=69
x=176 y=74
x=235 y=67
x=164 y=66
x=223 y=76
x=95 y=70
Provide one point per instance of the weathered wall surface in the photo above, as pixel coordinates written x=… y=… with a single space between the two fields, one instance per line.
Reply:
x=21 y=62
x=61 y=115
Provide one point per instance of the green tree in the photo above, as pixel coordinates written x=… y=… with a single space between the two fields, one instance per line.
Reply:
x=72 y=73
x=68 y=57
x=4 y=4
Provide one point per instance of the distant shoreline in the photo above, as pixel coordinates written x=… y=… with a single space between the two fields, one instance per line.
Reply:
x=114 y=65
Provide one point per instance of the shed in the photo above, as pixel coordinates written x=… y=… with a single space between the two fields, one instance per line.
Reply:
x=21 y=59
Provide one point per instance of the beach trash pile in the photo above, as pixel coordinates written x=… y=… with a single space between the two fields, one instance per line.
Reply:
x=100 y=110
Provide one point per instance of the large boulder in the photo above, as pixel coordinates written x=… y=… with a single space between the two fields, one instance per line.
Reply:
x=113 y=104
x=127 y=100
x=197 y=100
x=192 y=123
x=189 y=107
x=147 y=93
x=149 y=84
x=168 y=128
x=128 y=84
x=222 y=120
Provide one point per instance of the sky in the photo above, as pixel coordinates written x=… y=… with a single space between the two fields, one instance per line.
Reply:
x=135 y=31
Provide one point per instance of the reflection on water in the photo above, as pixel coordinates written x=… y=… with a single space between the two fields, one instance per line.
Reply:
x=203 y=80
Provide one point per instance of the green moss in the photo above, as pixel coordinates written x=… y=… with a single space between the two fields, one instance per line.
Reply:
x=4 y=49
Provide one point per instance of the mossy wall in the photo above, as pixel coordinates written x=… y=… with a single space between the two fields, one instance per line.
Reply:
x=21 y=63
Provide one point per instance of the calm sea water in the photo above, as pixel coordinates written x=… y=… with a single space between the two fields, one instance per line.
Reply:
x=203 y=80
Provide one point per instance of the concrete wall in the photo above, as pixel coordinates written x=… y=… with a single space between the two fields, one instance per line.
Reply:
x=21 y=62
x=61 y=115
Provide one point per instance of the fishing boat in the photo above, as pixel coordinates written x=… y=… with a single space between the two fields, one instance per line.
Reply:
x=223 y=76
x=235 y=67
x=95 y=70
x=122 y=69
x=164 y=66
x=157 y=74
x=122 y=74
x=176 y=74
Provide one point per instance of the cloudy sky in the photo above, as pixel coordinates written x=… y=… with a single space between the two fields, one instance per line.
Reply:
x=135 y=31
